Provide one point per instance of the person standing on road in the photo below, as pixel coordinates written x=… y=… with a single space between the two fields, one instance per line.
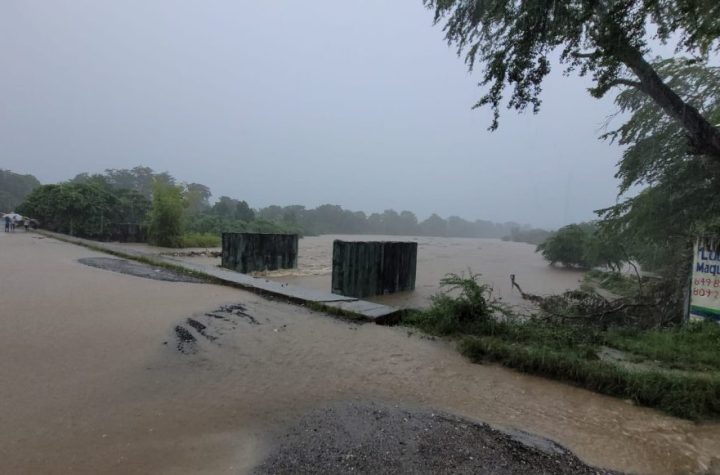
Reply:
x=26 y=223
x=7 y=224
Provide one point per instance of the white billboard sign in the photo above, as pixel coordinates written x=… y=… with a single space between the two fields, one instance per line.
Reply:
x=705 y=285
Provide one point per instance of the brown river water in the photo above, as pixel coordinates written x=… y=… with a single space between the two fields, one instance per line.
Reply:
x=493 y=259
x=91 y=380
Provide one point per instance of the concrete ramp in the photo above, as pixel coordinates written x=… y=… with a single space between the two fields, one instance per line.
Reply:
x=325 y=301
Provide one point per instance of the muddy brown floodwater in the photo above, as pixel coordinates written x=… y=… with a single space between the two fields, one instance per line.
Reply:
x=494 y=259
x=91 y=379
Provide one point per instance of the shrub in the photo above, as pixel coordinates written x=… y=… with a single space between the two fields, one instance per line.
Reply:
x=166 y=213
x=569 y=351
x=464 y=305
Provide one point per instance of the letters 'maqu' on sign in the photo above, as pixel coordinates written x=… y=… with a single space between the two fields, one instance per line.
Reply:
x=705 y=284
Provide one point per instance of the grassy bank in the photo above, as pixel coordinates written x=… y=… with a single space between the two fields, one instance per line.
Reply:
x=676 y=370
x=201 y=240
x=695 y=347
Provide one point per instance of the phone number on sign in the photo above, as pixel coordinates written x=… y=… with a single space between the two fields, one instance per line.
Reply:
x=706 y=293
x=707 y=282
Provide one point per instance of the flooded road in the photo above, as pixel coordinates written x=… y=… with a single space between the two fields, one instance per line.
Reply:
x=92 y=382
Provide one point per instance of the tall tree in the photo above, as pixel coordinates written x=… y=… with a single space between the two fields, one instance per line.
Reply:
x=197 y=198
x=434 y=226
x=14 y=188
x=606 y=39
x=408 y=223
x=165 y=220
x=682 y=194
x=141 y=179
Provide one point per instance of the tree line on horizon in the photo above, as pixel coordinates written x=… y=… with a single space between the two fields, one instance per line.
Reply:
x=91 y=204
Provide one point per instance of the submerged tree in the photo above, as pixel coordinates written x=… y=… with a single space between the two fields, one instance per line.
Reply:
x=567 y=246
x=605 y=39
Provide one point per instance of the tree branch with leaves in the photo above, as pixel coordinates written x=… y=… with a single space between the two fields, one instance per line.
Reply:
x=607 y=40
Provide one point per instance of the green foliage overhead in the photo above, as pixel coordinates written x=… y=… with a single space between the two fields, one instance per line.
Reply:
x=14 y=188
x=513 y=41
x=672 y=138
x=656 y=150
x=682 y=192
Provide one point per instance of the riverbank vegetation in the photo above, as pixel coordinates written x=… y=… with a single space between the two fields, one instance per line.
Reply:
x=632 y=344
x=674 y=369
x=672 y=105
x=655 y=229
x=583 y=246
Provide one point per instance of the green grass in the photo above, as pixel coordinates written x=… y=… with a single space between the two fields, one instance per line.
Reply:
x=200 y=240
x=694 y=347
x=681 y=395
x=569 y=352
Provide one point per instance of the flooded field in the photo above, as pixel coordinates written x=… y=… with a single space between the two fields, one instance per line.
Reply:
x=92 y=379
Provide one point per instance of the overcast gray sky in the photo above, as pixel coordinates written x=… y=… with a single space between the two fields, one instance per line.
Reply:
x=357 y=103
